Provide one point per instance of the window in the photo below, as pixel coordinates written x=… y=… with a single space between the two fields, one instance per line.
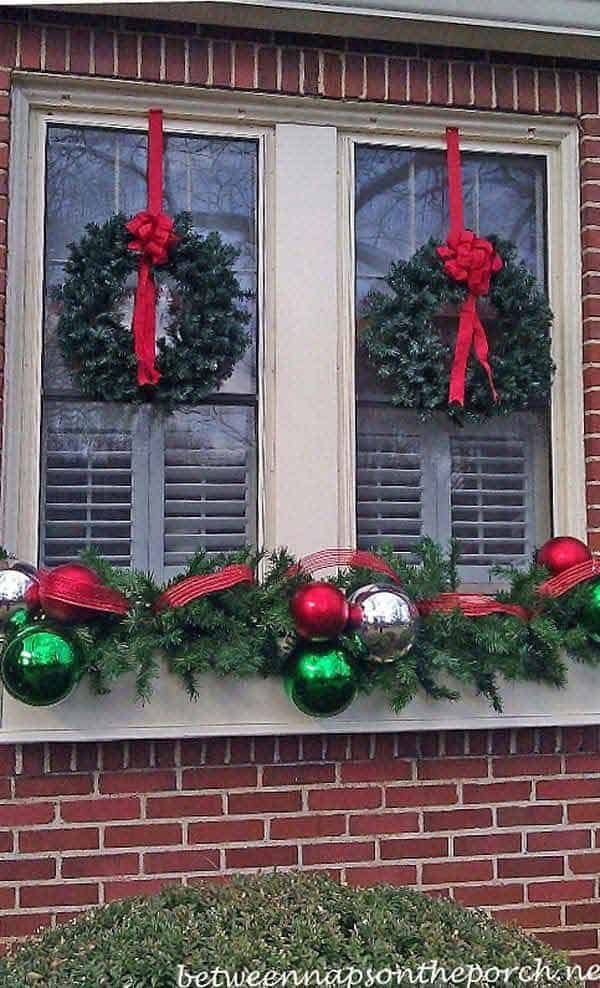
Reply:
x=488 y=486
x=147 y=489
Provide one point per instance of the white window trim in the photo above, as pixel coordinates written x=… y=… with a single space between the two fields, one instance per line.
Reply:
x=306 y=366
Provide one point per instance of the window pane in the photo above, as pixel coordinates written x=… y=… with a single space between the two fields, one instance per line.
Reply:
x=487 y=486
x=85 y=444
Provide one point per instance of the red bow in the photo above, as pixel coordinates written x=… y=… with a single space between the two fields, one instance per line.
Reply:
x=470 y=260
x=153 y=235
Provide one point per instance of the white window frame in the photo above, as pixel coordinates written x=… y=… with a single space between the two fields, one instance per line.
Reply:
x=306 y=412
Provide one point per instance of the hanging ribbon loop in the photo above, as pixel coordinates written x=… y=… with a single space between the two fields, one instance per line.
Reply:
x=152 y=237
x=194 y=587
x=471 y=261
x=357 y=558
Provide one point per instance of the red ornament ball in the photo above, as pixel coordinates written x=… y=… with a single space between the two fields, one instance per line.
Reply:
x=71 y=577
x=563 y=552
x=320 y=611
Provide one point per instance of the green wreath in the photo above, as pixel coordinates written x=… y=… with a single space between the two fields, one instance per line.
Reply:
x=206 y=334
x=411 y=357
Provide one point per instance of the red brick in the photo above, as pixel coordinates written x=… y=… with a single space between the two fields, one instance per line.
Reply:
x=461 y=84
x=505 y=99
x=267 y=68
x=53 y=785
x=27 y=869
x=398 y=80
x=23 y=924
x=215 y=751
x=526 y=765
x=222 y=777
x=568 y=91
x=265 y=802
x=290 y=70
x=31 y=46
x=497 y=792
x=487 y=844
x=447 y=872
x=457 y=819
x=140 y=754
x=590 y=216
x=104 y=52
x=297 y=827
x=559 y=840
x=482 y=85
x=547 y=90
x=332 y=75
x=127 y=58
x=261 y=857
x=531 y=917
x=525 y=90
x=584 y=813
x=376 y=770
x=136 y=781
x=527 y=816
x=392 y=874
x=221 y=63
x=375 y=77
x=384 y=823
x=489 y=895
x=244 y=65
x=417 y=73
x=8 y=45
x=569 y=939
x=584 y=864
x=8 y=898
x=60 y=757
x=589 y=94
x=143 y=835
x=530 y=866
x=311 y=72
x=363 y=798
x=34 y=896
x=354 y=85
x=175 y=60
x=415 y=847
x=59 y=839
x=569 y=789
x=226 y=831
x=159 y=862
x=25 y=814
x=452 y=768
x=80 y=50
x=113 y=755
x=100 y=866
x=98 y=809
x=198 y=55
x=32 y=759
x=165 y=753
x=298 y=775
x=561 y=891
x=121 y=890
x=184 y=806
x=582 y=915
x=421 y=795
x=151 y=56
x=338 y=852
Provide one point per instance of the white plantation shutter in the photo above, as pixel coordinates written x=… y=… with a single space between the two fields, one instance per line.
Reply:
x=145 y=488
x=488 y=486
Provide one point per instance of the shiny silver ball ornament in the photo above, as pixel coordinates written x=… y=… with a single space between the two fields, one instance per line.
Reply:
x=15 y=580
x=386 y=620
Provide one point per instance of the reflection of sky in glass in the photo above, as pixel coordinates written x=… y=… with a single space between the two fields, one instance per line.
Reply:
x=94 y=172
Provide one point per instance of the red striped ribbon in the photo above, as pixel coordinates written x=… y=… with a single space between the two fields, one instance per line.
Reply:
x=357 y=558
x=195 y=587
x=570 y=578
x=52 y=587
x=471 y=604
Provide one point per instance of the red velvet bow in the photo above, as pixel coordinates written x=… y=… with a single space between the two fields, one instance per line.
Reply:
x=152 y=235
x=469 y=260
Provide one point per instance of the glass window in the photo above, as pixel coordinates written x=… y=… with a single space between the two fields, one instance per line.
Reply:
x=147 y=489
x=488 y=486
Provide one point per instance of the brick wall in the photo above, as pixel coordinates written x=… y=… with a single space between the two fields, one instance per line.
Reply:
x=506 y=820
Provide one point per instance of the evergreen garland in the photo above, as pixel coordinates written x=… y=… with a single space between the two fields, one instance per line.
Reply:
x=206 y=335
x=248 y=630
x=412 y=359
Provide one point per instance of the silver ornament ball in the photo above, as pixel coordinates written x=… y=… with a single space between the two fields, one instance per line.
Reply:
x=15 y=580
x=389 y=621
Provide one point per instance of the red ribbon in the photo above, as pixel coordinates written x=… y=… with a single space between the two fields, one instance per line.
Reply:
x=471 y=604
x=358 y=558
x=194 y=587
x=53 y=587
x=153 y=236
x=470 y=260
x=570 y=578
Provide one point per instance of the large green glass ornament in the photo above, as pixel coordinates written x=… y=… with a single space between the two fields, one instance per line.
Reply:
x=320 y=680
x=39 y=666
x=590 y=615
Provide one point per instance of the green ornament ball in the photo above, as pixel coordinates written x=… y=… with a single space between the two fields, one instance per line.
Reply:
x=17 y=622
x=590 y=616
x=39 y=666
x=320 y=680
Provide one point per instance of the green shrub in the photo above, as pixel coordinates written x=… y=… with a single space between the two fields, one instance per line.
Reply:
x=271 y=923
